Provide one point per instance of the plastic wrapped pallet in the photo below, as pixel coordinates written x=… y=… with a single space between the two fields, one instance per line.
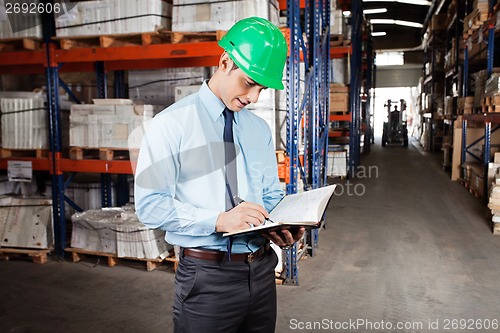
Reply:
x=19 y=25
x=115 y=17
x=116 y=231
x=202 y=15
x=26 y=223
x=109 y=123
x=157 y=87
x=85 y=191
x=24 y=123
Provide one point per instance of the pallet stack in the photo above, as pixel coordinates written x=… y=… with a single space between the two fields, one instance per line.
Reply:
x=212 y=15
x=494 y=196
x=339 y=99
x=108 y=123
x=24 y=122
x=109 y=17
x=26 y=228
x=475 y=19
x=116 y=231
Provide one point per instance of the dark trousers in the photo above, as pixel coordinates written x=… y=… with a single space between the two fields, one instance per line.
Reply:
x=225 y=297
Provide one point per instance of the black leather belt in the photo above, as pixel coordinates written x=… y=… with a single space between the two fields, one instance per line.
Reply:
x=219 y=256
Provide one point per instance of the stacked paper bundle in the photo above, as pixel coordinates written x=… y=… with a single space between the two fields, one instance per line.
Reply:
x=19 y=20
x=24 y=122
x=212 y=15
x=116 y=231
x=157 y=87
x=115 y=17
x=108 y=123
x=26 y=223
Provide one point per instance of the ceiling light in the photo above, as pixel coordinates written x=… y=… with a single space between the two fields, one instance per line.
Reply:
x=375 y=11
x=397 y=22
x=346 y=13
x=379 y=34
x=412 y=2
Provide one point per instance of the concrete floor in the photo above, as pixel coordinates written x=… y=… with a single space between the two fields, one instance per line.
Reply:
x=403 y=246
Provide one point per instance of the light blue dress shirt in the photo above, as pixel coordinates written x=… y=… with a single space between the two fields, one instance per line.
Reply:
x=179 y=179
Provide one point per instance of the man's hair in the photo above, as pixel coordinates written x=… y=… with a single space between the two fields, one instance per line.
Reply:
x=235 y=67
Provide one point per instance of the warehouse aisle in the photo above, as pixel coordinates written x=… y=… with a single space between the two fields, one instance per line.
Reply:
x=403 y=246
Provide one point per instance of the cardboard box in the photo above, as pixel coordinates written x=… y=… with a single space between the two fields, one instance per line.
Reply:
x=339 y=102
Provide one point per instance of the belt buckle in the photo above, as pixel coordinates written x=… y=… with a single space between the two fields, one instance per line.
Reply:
x=251 y=256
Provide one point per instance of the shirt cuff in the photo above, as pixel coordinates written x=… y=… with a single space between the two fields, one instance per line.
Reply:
x=206 y=220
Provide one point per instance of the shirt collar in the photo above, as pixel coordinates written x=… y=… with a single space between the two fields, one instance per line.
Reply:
x=212 y=103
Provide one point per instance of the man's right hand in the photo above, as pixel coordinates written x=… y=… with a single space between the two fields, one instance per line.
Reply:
x=241 y=217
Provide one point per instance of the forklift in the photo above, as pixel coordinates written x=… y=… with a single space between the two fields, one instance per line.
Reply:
x=395 y=131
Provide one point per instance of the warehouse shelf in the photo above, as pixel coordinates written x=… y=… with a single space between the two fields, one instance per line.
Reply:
x=340 y=51
x=38 y=164
x=52 y=61
x=128 y=57
x=485 y=32
x=487 y=119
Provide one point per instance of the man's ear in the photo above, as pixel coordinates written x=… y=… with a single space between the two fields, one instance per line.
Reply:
x=225 y=63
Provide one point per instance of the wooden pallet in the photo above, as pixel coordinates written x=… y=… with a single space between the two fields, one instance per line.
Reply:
x=112 y=259
x=37 y=256
x=105 y=154
x=339 y=113
x=147 y=38
x=336 y=40
x=36 y=153
x=496 y=228
x=20 y=44
x=195 y=37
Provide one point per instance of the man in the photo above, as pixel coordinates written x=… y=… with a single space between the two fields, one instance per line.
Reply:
x=190 y=176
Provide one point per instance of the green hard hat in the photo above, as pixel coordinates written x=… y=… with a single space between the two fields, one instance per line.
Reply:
x=259 y=48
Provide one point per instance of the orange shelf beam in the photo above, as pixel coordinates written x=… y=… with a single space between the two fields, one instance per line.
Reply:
x=283 y=4
x=22 y=58
x=140 y=52
x=97 y=166
x=338 y=134
x=340 y=51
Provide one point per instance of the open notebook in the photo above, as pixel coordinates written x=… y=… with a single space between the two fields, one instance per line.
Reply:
x=295 y=210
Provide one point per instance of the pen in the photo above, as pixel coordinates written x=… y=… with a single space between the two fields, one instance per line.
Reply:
x=238 y=200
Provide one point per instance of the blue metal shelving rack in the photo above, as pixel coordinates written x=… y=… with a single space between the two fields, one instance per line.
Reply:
x=487 y=119
x=311 y=112
x=355 y=87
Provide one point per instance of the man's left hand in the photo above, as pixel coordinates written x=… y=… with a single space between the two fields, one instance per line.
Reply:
x=286 y=236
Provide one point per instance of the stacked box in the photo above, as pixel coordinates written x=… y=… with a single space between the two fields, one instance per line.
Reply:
x=337 y=163
x=24 y=123
x=479 y=88
x=212 y=15
x=117 y=231
x=265 y=108
x=184 y=91
x=19 y=22
x=438 y=22
x=337 y=22
x=85 y=191
x=494 y=195
x=109 y=123
x=339 y=72
x=157 y=87
x=114 y=17
x=339 y=98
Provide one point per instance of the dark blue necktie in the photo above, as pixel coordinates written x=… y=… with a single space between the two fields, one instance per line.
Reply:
x=230 y=159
